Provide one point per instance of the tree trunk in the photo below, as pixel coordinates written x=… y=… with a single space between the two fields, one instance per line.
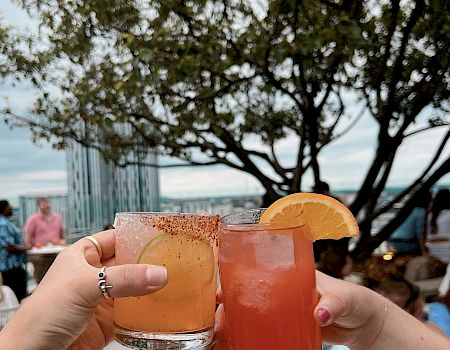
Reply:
x=365 y=247
x=383 y=152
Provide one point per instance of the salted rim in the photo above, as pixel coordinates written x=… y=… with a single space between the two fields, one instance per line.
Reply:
x=161 y=213
x=200 y=225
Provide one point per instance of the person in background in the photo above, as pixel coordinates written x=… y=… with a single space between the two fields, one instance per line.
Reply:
x=438 y=239
x=407 y=296
x=8 y=303
x=331 y=256
x=43 y=228
x=409 y=238
x=402 y=293
x=12 y=253
x=439 y=313
x=334 y=259
x=322 y=188
x=445 y=283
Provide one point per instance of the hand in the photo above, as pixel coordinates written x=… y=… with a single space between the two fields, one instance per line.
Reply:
x=362 y=319
x=67 y=309
x=221 y=331
x=221 y=336
x=342 y=311
x=17 y=248
x=11 y=249
x=347 y=312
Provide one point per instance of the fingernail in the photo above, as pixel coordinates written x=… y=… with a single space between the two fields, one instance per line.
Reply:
x=323 y=314
x=156 y=275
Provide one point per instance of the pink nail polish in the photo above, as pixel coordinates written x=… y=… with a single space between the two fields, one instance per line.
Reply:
x=323 y=314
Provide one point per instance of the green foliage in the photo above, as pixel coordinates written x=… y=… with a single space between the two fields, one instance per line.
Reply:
x=183 y=78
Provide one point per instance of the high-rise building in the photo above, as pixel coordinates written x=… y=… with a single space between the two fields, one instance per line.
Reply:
x=98 y=189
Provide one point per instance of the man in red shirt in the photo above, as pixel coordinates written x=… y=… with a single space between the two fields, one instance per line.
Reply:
x=43 y=228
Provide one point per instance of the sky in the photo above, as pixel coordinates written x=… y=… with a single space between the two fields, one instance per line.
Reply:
x=27 y=168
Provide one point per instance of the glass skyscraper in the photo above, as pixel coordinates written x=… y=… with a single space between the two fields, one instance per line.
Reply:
x=97 y=189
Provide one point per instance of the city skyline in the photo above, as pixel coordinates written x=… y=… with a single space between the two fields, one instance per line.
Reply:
x=32 y=169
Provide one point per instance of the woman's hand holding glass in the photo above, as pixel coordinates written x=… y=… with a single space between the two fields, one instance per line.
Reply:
x=67 y=309
x=358 y=317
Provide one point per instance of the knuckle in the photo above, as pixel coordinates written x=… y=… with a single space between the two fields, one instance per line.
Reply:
x=127 y=275
x=132 y=276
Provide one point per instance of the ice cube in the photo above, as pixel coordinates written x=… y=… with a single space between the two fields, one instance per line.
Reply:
x=251 y=288
x=274 y=252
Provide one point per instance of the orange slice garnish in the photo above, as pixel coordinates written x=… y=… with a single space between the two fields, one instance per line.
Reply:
x=327 y=218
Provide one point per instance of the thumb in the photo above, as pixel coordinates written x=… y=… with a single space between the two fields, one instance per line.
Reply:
x=132 y=280
x=329 y=309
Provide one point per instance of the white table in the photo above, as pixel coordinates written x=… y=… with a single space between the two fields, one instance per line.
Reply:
x=47 y=250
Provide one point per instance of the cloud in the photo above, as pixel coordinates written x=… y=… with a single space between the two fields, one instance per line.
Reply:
x=49 y=176
x=13 y=15
x=18 y=153
x=202 y=181
x=11 y=188
x=28 y=168
x=18 y=97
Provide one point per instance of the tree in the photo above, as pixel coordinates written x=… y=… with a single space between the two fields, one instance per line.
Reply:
x=196 y=79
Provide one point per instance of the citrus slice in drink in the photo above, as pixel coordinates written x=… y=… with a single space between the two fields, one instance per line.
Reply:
x=327 y=218
x=189 y=261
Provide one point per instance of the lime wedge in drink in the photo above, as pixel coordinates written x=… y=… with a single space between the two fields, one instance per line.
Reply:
x=189 y=261
x=153 y=242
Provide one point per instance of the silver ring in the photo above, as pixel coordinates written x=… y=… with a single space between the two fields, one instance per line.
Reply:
x=97 y=245
x=102 y=283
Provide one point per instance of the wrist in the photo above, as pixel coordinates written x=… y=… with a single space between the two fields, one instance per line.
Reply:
x=7 y=341
x=24 y=331
x=381 y=326
x=12 y=335
x=372 y=321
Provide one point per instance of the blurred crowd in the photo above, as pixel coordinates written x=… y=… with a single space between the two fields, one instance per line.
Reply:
x=43 y=228
x=414 y=273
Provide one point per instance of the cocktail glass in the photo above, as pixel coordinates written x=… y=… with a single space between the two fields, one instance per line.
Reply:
x=268 y=283
x=181 y=314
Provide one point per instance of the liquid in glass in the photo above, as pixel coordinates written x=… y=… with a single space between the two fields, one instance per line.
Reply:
x=268 y=283
x=180 y=315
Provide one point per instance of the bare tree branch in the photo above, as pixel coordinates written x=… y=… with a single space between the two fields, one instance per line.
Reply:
x=352 y=124
x=398 y=65
x=125 y=163
x=387 y=49
x=296 y=184
x=276 y=164
x=417 y=131
x=360 y=252
x=415 y=184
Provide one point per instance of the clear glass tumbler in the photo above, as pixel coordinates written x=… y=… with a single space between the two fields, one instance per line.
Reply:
x=268 y=283
x=180 y=315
